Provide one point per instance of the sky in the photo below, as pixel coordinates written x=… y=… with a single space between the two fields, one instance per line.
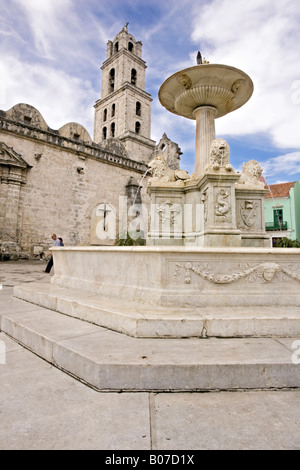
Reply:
x=51 y=52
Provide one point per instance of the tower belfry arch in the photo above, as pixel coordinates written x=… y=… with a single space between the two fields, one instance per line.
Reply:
x=124 y=110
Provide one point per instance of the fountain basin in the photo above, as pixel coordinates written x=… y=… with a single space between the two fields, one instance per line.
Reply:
x=183 y=276
x=220 y=86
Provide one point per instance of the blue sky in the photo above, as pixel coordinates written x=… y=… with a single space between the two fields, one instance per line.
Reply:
x=51 y=52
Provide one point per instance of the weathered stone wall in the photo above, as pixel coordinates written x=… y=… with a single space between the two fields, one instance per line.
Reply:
x=68 y=179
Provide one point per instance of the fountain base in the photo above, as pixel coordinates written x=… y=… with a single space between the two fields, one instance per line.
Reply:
x=176 y=291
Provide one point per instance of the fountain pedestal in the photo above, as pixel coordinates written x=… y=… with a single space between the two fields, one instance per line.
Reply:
x=203 y=210
x=205 y=134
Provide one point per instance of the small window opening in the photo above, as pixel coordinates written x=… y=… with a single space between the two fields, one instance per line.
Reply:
x=130 y=46
x=76 y=136
x=133 y=77
x=104 y=133
x=27 y=120
x=105 y=114
x=112 y=79
x=137 y=127
x=138 y=108
x=112 y=129
x=113 y=110
x=116 y=47
x=162 y=147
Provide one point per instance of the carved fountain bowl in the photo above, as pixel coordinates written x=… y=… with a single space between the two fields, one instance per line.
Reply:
x=223 y=87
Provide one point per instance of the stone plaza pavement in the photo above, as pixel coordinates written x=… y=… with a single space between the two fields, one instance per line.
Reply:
x=42 y=407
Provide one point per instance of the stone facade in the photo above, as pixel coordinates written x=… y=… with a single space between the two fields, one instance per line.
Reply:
x=52 y=182
x=56 y=181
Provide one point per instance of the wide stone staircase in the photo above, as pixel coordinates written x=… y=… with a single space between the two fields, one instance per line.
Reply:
x=226 y=349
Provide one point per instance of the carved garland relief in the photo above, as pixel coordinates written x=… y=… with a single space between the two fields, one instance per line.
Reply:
x=263 y=272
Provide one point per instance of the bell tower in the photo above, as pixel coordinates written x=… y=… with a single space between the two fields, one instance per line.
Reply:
x=124 y=110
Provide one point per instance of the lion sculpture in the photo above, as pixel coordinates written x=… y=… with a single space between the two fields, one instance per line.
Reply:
x=160 y=171
x=251 y=174
x=219 y=156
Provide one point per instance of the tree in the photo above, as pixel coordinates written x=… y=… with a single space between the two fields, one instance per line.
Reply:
x=128 y=241
x=285 y=242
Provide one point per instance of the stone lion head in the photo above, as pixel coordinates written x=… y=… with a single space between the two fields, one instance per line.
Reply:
x=251 y=173
x=219 y=154
x=158 y=167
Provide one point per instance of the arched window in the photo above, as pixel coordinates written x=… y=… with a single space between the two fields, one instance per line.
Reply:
x=133 y=77
x=116 y=47
x=105 y=115
x=104 y=133
x=137 y=127
x=130 y=46
x=112 y=129
x=113 y=110
x=138 y=108
x=112 y=79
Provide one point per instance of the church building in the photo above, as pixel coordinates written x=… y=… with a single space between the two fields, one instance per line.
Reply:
x=65 y=182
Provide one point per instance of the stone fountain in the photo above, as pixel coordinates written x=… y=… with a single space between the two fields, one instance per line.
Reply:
x=215 y=206
x=207 y=269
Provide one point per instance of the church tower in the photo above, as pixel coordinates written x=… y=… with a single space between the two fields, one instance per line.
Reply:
x=124 y=110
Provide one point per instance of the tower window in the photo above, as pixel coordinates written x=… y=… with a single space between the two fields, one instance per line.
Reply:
x=133 y=77
x=116 y=47
x=27 y=120
x=105 y=114
x=138 y=108
x=137 y=127
x=112 y=79
x=112 y=129
x=104 y=133
x=113 y=110
x=130 y=46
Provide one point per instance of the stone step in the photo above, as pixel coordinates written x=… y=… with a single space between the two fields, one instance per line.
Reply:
x=151 y=321
x=107 y=360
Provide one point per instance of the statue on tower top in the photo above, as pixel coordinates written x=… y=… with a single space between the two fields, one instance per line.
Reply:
x=199 y=58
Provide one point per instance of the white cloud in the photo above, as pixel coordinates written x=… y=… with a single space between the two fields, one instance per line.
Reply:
x=51 y=51
x=47 y=21
x=262 y=38
x=59 y=97
x=288 y=164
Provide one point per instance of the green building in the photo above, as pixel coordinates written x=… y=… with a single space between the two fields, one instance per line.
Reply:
x=282 y=211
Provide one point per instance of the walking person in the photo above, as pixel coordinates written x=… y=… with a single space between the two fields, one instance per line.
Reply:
x=56 y=242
